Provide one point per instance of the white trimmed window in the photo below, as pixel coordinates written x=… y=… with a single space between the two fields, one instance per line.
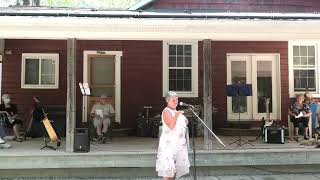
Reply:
x=180 y=68
x=40 y=71
x=303 y=67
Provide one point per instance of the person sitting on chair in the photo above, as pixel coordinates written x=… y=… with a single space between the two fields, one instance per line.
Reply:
x=9 y=116
x=300 y=112
x=101 y=113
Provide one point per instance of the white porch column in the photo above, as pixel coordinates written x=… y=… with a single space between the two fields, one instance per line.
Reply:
x=71 y=94
x=207 y=92
x=1 y=59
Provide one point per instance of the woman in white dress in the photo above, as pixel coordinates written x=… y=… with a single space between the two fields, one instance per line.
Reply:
x=172 y=158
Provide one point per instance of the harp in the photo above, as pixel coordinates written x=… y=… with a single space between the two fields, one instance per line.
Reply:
x=53 y=136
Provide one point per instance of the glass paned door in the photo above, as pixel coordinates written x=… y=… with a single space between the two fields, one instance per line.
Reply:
x=266 y=80
x=262 y=71
x=239 y=75
x=264 y=85
x=239 y=72
x=101 y=71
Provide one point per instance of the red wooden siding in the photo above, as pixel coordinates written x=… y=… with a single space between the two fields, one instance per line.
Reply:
x=11 y=75
x=240 y=5
x=141 y=74
x=219 y=51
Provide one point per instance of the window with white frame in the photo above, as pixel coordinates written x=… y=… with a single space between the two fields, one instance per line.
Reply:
x=180 y=68
x=40 y=71
x=304 y=67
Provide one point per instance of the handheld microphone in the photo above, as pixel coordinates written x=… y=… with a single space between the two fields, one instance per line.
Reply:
x=185 y=104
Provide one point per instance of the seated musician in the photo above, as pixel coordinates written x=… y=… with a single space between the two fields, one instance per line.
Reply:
x=300 y=112
x=101 y=113
x=9 y=116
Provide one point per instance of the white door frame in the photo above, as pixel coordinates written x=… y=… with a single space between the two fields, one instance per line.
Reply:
x=251 y=73
x=118 y=55
x=276 y=85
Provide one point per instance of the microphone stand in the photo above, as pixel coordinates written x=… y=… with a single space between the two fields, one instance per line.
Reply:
x=193 y=141
x=193 y=146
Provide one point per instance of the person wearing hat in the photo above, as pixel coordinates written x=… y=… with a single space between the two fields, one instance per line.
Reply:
x=101 y=112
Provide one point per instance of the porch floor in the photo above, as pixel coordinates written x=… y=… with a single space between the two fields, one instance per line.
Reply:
x=149 y=145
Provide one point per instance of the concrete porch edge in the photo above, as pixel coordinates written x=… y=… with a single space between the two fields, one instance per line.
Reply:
x=241 y=157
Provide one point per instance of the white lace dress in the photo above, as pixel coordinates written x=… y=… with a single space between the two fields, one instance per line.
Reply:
x=172 y=158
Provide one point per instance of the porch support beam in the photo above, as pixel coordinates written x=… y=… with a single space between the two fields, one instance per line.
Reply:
x=71 y=94
x=1 y=46
x=207 y=92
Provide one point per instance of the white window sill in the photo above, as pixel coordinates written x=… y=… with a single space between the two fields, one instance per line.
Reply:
x=39 y=87
x=293 y=95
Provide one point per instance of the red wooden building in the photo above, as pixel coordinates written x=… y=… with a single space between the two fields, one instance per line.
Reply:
x=136 y=56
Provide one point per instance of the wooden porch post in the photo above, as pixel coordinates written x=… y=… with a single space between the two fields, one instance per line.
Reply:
x=1 y=46
x=71 y=94
x=207 y=92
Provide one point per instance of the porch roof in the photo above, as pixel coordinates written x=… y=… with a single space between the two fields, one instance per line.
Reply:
x=133 y=25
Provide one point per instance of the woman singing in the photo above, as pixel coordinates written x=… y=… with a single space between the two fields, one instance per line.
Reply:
x=172 y=158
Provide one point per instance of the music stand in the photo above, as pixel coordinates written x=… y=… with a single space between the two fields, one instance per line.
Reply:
x=84 y=88
x=237 y=90
x=85 y=91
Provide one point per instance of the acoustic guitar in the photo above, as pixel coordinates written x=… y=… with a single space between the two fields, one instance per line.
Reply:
x=7 y=118
x=267 y=122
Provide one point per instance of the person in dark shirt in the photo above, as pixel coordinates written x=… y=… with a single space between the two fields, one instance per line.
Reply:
x=9 y=116
x=300 y=112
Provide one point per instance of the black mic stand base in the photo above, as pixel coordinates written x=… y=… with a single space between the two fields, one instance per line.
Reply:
x=46 y=144
x=241 y=142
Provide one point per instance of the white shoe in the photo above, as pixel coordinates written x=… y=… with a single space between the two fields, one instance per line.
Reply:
x=5 y=145
x=2 y=141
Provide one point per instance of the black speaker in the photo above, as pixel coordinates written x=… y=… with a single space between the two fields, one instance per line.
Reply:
x=81 y=140
x=274 y=135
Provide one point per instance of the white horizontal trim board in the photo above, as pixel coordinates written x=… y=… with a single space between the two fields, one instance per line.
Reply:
x=157 y=29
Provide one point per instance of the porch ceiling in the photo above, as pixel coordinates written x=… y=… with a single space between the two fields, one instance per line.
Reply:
x=30 y=27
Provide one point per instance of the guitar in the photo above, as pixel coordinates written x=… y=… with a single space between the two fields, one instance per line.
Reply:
x=7 y=119
x=267 y=122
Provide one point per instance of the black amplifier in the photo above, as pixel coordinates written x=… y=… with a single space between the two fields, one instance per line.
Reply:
x=81 y=140
x=274 y=135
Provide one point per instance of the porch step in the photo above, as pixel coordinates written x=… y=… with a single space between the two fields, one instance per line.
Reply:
x=203 y=173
